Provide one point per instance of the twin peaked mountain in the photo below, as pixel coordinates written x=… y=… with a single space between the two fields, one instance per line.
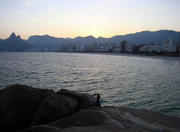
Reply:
x=39 y=43
x=14 y=43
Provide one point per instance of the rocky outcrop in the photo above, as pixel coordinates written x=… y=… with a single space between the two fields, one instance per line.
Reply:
x=43 y=128
x=23 y=106
x=53 y=107
x=85 y=100
x=18 y=104
x=120 y=118
x=27 y=109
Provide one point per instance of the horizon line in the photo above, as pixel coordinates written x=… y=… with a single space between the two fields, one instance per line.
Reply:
x=90 y=35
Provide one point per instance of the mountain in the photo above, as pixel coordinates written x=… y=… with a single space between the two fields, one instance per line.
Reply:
x=52 y=42
x=136 y=38
x=46 y=41
x=84 y=40
x=39 y=43
x=146 y=37
x=13 y=43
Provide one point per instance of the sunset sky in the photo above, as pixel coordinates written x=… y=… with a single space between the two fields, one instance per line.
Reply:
x=71 y=18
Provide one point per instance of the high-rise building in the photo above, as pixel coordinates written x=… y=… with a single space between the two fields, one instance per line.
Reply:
x=169 y=45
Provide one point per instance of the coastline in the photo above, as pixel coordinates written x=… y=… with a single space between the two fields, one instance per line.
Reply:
x=115 y=54
x=68 y=111
x=124 y=54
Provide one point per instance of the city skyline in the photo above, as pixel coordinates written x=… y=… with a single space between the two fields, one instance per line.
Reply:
x=68 y=18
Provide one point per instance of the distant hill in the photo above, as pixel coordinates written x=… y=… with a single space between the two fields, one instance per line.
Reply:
x=52 y=42
x=46 y=41
x=13 y=43
x=136 y=38
x=38 y=43
x=146 y=36
x=84 y=40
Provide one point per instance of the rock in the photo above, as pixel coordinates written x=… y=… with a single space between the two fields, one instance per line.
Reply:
x=84 y=117
x=102 y=129
x=23 y=108
x=120 y=118
x=17 y=106
x=43 y=128
x=1 y=91
x=46 y=128
x=148 y=119
x=84 y=100
x=53 y=107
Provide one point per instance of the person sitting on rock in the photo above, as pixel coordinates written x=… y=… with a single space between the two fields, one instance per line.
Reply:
x=98 y=100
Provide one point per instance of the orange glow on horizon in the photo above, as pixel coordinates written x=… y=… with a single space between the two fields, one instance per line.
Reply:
x=70 y=18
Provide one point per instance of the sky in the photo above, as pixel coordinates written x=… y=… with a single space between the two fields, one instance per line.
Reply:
x=72 y=18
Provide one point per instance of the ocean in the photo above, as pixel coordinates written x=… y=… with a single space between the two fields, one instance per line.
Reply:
x=122 y=80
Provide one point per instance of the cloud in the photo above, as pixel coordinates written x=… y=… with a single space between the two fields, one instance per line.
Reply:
x=28 y=2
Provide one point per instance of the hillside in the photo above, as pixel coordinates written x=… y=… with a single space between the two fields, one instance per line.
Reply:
x=39 y=43
x=13 y=44
x=136 y=38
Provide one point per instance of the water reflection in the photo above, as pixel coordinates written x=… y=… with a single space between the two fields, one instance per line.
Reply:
x=143 y=82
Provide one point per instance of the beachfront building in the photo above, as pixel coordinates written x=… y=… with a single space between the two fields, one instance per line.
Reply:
x=178 y=44
x=143 y=48
x=155 y=47
x=169 y=45
x=152 y=47
x=105 y=47
x=126 y=46
x=116 y=50
x=129 y=47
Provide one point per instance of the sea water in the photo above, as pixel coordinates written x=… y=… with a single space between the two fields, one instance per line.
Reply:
x=122 y=80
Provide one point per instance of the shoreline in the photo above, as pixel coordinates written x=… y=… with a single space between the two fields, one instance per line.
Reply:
x=115 y=54
x=70 y=111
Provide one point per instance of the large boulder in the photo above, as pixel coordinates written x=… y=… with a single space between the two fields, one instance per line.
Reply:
x=85 y=117
x=102 y=129
x=122 y=119
x=43 y=128
x=26 y=109
x=1 y=91
x=22 y=106
x=18 y=104
x=53 y=107
x=84 y=100
x=83 y=129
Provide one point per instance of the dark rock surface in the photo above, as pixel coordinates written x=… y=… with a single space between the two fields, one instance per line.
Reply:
x=52 y=107
x=17 y=106
x=85 y=117
x=27 y=109
x=44 y=128
x=85 y=100
x=122 y=118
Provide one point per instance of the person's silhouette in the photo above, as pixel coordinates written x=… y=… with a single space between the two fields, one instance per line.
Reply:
x=98 y=100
